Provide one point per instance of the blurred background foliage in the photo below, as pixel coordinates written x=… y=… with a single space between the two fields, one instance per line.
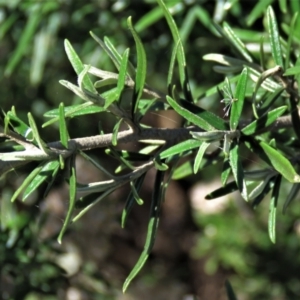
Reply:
x=200 y=243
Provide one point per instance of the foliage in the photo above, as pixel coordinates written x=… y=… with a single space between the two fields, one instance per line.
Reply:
x=260 y=91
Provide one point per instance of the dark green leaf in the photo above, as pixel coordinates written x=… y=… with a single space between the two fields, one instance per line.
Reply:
x=87 y=200
x=280 y=163
x=229 y=291
x=264 y=121
x=264 y=193
x=122 y=74
x=152 y=227
x=19 y=126
x=291 y=196
x=237 y=169
x=272 y=209
x=289 y=45
x=135 y=194
x=72 y=197
x=222 y=191
x=274 y=37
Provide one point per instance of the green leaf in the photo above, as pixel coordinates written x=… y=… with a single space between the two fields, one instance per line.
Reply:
x=109 y=46
x=229 y=291
x=237 y=106
x=236 y=42
x=199 y=156
x=26 y=182
x=157 y=198
x=272 y=97
x=226 y=170
x=222 y=191
x=258 y=10
x=237 y=169
x=135 y=194
x=171 y=68
x=19 y=126
x=265 y=191
x=72 y=197
x=46 y=172
x=72 y=111
x=280 y=163
x=180 y=52
x=207 y=116
x=292 y=71
x=264 y=121
x=78 y=66
x=141 y=69
x=122 y=74
x=180 y=148
x=115 y=132
x=189 y=116
x=63 y=131
x=24 y=42
x=184 y=170
x=274 y=37
x=272 y=209
x=291 y=196
x=131 y=199
x=36 y=134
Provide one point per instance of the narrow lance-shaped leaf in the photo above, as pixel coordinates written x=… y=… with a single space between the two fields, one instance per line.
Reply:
x=122 y=74
x=180 y=148
x=291 y=196
x=141 y=69
x=264 y=121
x=272 y=209
x=171 y=68
x=274 y=37
x=280 y=163
x=226 y=170
x=44 y=173
x=290 y=39
x=36 y=134
x=63 y=130
x=115 y=132
x=237 y=106
x=189 y=115
x=152 y=227
x=72 y=197
x=180 y=52
x=78 y=66
x=237 y=169
x=26 y=182
x=222 y=191
x=199 y=156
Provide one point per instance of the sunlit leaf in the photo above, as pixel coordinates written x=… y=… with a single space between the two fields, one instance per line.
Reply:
x=199 y=156
x=264 y=121
x=45 y=172
x=237 y=106
x=63 y=131
x=280 y=163
x=272 y=209
x=180 y=147
x=78 y=66
x=274 y=37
